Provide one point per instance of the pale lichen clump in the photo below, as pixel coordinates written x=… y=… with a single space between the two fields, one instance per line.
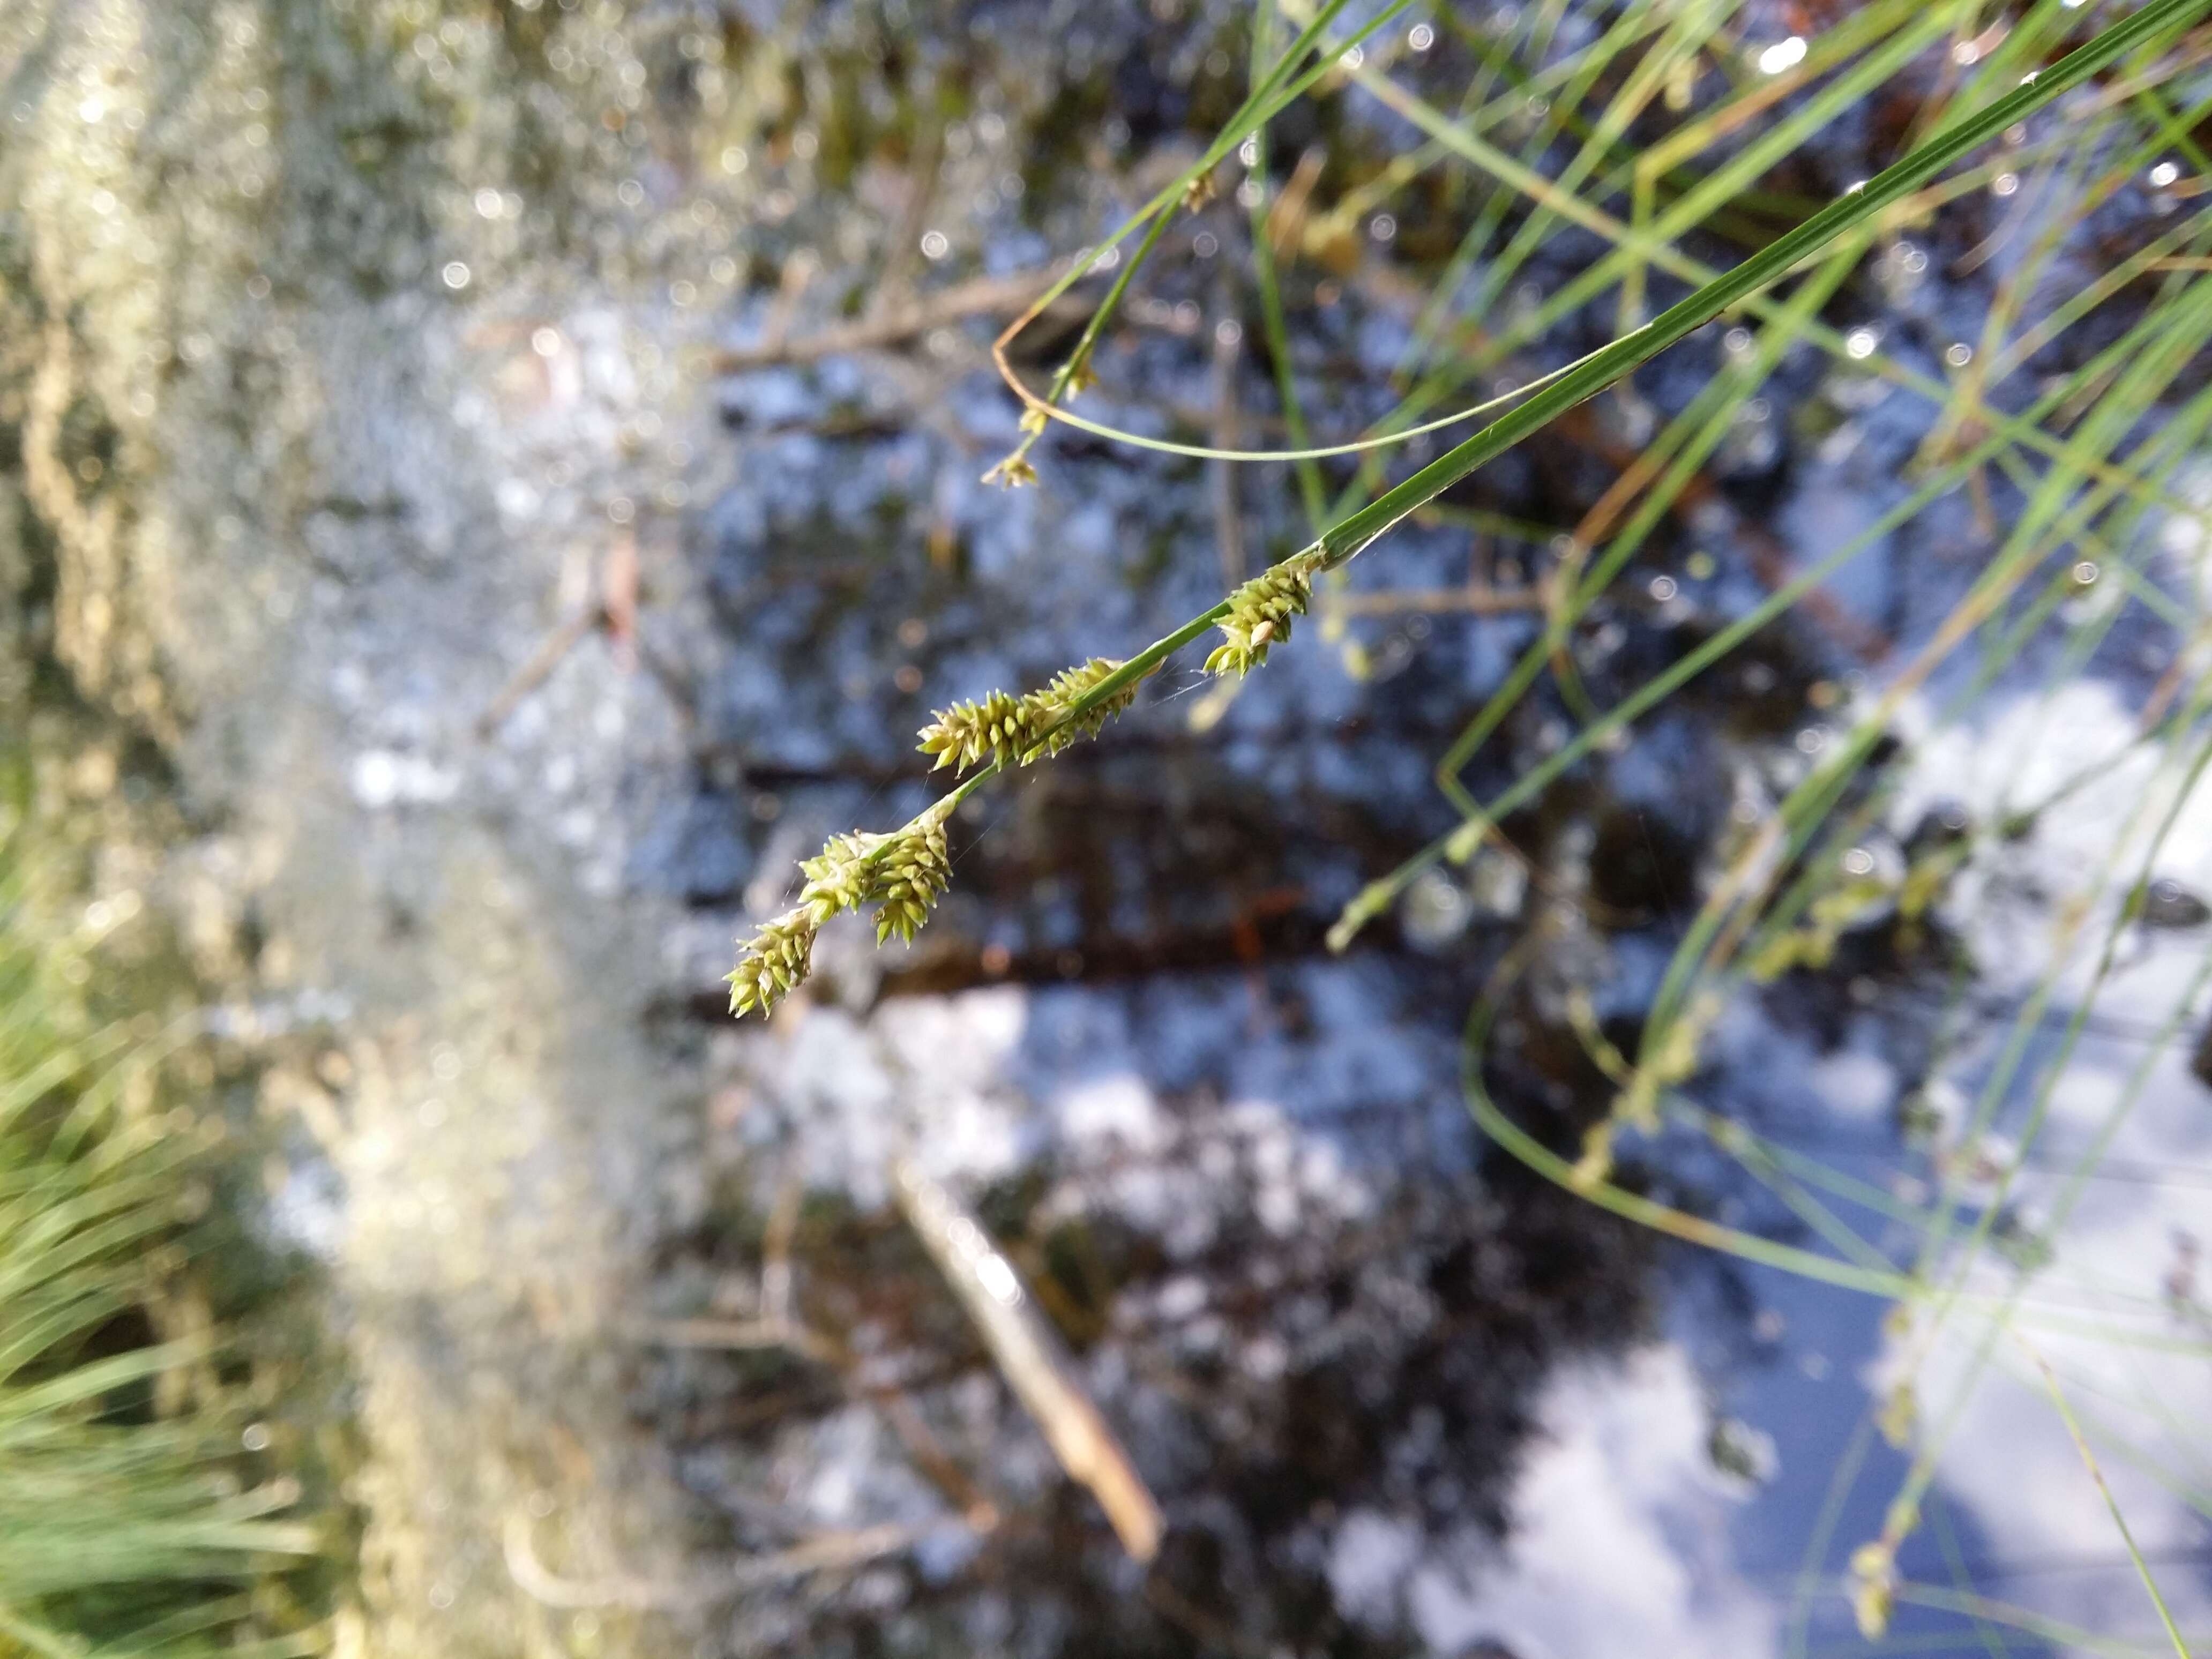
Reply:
x=1260 y=612
x=903 y=873
x=1015 y=730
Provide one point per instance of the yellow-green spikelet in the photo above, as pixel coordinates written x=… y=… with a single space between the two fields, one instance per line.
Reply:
x=1000 y=726
x=1260 y=612
x=776 y=958
x=1015 y=730
x=910 y=877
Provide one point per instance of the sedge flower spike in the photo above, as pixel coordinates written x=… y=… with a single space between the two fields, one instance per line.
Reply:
x=1260 y=612
x=774 y=960
x=912 y=875
x=963 y=734
x=903 y=874
x=1873 y=1568
x=1015 y=730
x=1011 y=472
x=838 y=877
x=1872 y=1588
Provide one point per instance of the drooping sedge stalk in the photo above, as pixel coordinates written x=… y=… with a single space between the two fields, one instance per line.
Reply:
x=1270 y=96
x=904 y=872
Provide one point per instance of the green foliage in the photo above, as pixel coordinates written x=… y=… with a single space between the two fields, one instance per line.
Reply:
x=125 y=1524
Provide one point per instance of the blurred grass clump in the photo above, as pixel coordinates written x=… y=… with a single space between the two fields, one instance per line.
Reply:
x=133 y=1517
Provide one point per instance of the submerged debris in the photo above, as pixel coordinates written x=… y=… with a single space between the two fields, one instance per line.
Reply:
x=992 y=1293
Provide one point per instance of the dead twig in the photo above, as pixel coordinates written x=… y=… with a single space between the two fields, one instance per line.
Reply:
x=792 y=283
x=743 y=1334
x=612 y=606
x=825 y=1553
x=895 y=286
x=980 y=296
x=992 y=1293
x=1286 y=218
x=779 y=1326
x=533 y=673
x=921 y=1444
x=775 y=1249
